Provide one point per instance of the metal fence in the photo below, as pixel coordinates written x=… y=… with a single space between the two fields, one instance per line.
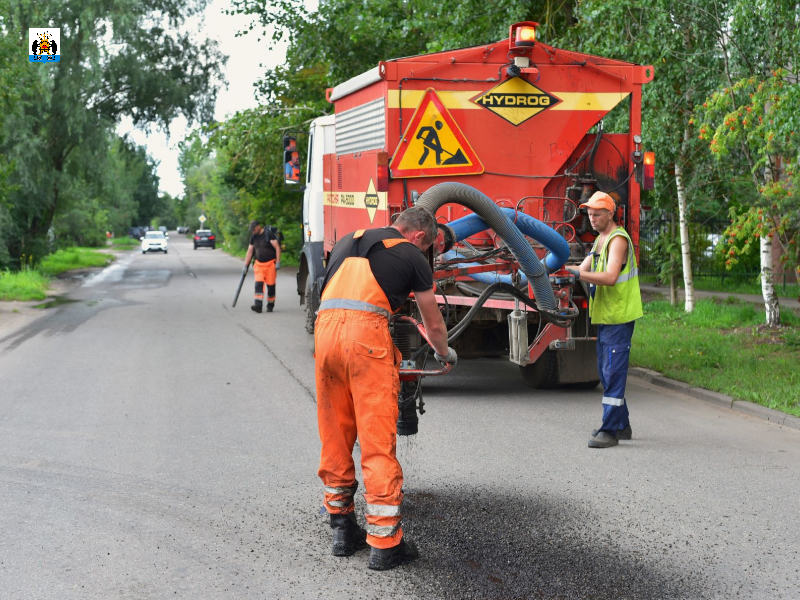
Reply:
x=708 y=265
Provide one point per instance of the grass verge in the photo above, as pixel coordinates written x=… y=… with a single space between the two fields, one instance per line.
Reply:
x=29 y=284
x=72 y=258
x=723 y=346
x=124 y=243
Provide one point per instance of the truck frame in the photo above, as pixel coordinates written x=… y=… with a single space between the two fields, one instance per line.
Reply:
x=517 y=124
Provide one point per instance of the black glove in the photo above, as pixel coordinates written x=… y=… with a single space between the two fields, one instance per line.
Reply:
x=575 y=273
x=451 y=358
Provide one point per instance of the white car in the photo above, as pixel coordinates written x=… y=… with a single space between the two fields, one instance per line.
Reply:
x=154 y=241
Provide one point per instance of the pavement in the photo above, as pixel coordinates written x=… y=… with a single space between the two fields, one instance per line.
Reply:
x=155 y=442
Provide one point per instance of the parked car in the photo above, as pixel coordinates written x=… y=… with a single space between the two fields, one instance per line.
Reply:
x=154 y=241
x=203 y=238
x=182 y=229
x=163 y=229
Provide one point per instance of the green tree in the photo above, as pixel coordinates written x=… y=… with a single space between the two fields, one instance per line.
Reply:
x=121 y=58
x=751 y=125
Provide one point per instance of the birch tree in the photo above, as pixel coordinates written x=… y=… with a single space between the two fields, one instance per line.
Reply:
x=750 y=124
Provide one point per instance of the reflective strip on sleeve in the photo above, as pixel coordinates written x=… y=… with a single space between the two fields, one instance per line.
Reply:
x=613 y=401
x=349 y=491
x=353 y=305
x=383 y=510
x=382 y=530
x=629 y=275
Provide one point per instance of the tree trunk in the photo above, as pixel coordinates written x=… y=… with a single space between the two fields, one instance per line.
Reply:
x=673 y=287
x=773 y=310
x=767 y=287
x=688 y=282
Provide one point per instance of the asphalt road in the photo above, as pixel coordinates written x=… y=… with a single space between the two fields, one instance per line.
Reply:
x=155 y=443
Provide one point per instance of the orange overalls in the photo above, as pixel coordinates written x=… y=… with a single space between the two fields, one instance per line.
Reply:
x=358 y=381
x=265 y=273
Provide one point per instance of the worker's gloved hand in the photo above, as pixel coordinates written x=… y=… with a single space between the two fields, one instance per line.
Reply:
x=277 y=265
x=244 y=269
x=575 y=273
x=451 y=358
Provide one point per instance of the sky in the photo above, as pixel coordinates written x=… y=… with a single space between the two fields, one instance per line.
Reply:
x=245 y=54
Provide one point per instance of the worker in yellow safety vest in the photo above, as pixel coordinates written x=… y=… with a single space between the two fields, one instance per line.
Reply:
x=615 y=303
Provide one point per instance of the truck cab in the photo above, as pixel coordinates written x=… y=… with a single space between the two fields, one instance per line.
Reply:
x=321 y=141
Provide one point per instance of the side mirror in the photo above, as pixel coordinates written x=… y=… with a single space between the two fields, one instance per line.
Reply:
x=294 y=175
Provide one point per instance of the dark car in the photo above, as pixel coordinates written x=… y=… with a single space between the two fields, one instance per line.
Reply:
x=203 y=238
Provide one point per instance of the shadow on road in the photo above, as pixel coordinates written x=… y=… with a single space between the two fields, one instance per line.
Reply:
x=485 y=545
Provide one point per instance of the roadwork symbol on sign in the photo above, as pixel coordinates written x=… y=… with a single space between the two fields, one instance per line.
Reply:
x=371 y=201
x=516 y=100
x=433 y=145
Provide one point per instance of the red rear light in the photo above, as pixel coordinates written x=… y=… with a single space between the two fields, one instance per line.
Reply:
x=211 y=237
x=383 y=172
x=197 y=237
x=649 y=180
x=582 y=303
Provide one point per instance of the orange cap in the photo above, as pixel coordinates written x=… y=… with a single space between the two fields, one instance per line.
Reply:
x=601 y=200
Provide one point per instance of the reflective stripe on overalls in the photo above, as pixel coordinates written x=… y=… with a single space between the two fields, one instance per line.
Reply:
x=357 y=376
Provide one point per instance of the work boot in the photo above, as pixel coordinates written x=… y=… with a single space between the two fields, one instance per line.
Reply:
x=603 y=440
x=622 y=434
x=383 y=560
x=347 y=535
x=270 y=307
x=256 y=308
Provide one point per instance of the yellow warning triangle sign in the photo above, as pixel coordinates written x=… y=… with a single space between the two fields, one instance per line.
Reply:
x=433 y=145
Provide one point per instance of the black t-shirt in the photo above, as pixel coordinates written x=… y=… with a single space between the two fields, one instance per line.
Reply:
x=262 y=243
x=399 y=270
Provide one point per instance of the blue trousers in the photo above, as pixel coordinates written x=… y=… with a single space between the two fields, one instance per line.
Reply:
x=613 y=355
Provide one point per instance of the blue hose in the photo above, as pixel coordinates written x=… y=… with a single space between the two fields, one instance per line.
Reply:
x=488 y=277
x=444 y=193
x=559 y=249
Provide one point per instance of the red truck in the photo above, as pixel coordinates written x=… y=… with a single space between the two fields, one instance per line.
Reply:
x=503 y=142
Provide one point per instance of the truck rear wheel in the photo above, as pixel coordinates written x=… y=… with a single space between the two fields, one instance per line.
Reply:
x=543 y=374
x=576 y=369
x=310 y=316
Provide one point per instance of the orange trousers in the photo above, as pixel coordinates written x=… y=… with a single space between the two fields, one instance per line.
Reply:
x=265 y=273
x=357 y=373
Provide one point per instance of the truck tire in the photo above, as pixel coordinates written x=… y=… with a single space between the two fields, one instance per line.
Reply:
x=310 y=308
x=543 y=374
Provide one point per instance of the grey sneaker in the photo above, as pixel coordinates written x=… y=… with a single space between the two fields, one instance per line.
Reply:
x=622 y=434
x=603 y=440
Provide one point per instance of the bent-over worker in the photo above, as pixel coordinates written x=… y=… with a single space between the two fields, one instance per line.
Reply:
x=369 y=276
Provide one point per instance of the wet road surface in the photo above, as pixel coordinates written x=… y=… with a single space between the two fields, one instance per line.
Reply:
x=156 y=443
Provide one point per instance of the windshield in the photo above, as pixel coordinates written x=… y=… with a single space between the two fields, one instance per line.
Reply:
x=157 y=235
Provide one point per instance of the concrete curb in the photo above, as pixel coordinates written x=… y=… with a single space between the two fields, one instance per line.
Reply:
x=721 y=400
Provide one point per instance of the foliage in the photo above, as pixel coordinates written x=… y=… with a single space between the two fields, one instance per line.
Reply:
x=59 y=159
x=721 y=346
x=72 y=258
x=757 y=118
x=24 y=285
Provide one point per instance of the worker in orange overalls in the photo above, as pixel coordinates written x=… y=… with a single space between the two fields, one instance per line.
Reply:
x=267 y=250
x=369 y=276
x=293 y=167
